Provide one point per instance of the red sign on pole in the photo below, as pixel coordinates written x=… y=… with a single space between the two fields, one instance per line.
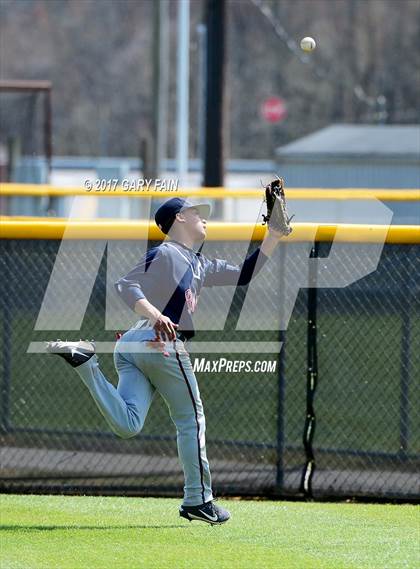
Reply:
x=274 y=109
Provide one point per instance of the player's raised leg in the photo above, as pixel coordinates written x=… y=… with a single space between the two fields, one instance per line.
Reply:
x=125 y=407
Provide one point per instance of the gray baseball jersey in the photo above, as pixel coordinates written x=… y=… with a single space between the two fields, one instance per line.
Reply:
x=171 y=275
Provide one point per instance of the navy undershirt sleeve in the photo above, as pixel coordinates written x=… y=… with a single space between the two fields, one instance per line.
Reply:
x=221 y=273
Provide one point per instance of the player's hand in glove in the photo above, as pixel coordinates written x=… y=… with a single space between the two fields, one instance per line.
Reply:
x=277 y=218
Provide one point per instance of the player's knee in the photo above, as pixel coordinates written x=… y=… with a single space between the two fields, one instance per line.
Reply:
x=129 y=430
x=127 y=433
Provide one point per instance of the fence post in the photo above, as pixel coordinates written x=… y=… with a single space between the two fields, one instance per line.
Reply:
x=280 y=415
x=281 y=383
x=7 y=342
x=408 y=295
x=311 y=377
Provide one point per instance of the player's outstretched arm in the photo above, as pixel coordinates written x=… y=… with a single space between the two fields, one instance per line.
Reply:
x=270 y=242
x=221 y=273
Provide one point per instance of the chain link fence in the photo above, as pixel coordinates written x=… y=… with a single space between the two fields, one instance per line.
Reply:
x=366 y=440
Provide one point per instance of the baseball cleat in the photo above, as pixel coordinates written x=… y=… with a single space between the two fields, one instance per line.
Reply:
x=208 y=512
x=75 y=353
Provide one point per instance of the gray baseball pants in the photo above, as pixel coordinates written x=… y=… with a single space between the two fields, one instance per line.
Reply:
x=142 y=371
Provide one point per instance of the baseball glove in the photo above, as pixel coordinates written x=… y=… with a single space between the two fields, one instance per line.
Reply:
x=277 y=218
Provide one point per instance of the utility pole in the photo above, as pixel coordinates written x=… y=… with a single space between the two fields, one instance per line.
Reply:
x=214 y=143
x=183 y=69
x=201 y=88
x=157 y=146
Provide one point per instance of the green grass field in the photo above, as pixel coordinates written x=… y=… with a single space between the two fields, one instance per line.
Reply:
x=63 y=532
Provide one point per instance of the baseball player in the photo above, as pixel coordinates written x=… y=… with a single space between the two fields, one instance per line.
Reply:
x=163 y=291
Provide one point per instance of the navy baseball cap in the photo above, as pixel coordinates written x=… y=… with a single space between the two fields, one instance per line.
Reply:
x=165 y=215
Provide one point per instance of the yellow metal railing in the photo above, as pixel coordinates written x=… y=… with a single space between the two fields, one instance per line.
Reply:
x=56 y=228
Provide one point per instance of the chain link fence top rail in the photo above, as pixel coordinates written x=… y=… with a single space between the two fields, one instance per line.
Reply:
x=367 y=436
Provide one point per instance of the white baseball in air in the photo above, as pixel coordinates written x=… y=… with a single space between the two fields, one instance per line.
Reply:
x=308 y=44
